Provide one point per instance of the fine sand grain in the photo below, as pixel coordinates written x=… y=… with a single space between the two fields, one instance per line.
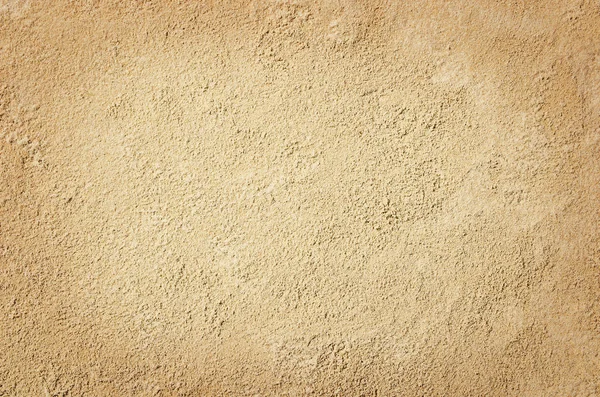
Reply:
x=295 y=198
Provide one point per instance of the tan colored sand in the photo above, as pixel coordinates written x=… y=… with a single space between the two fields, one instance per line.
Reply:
x=354 y=198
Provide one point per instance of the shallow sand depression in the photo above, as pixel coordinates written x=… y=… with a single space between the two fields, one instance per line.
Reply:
x=296 y=198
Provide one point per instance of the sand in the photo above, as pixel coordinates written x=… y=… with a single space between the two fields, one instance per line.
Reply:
x=295 y=198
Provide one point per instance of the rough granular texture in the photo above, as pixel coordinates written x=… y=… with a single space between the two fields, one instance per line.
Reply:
x=290 y=198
